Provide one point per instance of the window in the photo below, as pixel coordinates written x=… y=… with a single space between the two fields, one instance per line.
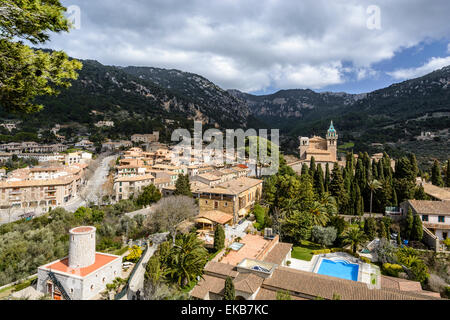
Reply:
x=216 y=205
x=424 y=218
x=441 y=219
x=92 y=287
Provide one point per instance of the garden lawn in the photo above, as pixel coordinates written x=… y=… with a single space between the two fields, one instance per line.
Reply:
x=304 y=250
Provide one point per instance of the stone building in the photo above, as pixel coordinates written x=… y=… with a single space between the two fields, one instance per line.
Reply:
x=235 y=197
x=83 y=274
x=324 y=150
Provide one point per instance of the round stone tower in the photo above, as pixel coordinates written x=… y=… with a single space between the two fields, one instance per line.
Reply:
x=81 y=247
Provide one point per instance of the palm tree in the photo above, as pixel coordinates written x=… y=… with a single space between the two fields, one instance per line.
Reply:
x=329 y=202
x=373 y=186
x=188 y=258
x=354 y=236
x=319 y=214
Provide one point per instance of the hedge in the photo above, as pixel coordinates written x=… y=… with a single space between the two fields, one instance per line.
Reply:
x=392 y=269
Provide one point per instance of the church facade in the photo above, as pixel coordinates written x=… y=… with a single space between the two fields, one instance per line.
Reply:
x=324 y=150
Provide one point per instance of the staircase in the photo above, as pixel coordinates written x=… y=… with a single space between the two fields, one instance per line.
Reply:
x=59 y=285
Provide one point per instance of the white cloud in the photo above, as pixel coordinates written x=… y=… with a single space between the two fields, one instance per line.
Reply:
x=255 y=44
x=432 y=65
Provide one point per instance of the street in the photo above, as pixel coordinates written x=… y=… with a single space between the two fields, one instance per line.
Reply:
x=92 y=190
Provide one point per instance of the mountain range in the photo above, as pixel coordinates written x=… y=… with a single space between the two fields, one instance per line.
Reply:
x=146 y=97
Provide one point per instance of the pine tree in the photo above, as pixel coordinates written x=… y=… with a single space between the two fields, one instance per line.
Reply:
x=219 y=238
x=182 y=186
x=417 y=229
x=229 y=293
x=436 y=177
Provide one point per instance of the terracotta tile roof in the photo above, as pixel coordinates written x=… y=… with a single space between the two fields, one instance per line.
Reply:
x=405 y=285
x=206 y=285
x=62 y=265
x=216 y=216
x=313 y=285
x=135 y=178
x=436 y=192
x=233 y=187
x=430 y=207
x=220 y=269
x=247 y=282
x=266 y=294
x=278 y=253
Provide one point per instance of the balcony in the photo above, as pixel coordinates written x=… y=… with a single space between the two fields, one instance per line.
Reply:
x=441 y=226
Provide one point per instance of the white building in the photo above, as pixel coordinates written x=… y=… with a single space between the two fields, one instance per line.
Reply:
x=83 y=274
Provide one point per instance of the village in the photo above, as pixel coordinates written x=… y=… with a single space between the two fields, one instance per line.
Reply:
x=228 y=217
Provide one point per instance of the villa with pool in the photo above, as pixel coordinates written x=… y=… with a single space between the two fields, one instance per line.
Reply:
x=260 y=268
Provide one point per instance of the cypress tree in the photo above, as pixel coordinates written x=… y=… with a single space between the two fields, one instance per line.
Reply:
x=219 y=238
x=360 y=176
x=380 y=170
x=420 y=194
x=327 y=178
x=359 y=202
x=447 y=175
x=414 y=167
x=409 y=224
x=370 y=228
x=229 y=293
x=399 y=240
x=374 y=170
x=305 y=169
x=312 y=167
x=337 y=188
x=394 y=198
x=417 y=229
x=318 y=181
x=436 y=177
x=382 y=229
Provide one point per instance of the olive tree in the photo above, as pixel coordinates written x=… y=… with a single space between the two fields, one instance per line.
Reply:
x=170 y=212
x=324 y=236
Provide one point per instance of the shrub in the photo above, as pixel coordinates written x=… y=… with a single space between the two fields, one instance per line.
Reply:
x=392 y=269
x=447 y=242
x=323 y=251
x=366 y=260
x=447 y=292
x=288 y=263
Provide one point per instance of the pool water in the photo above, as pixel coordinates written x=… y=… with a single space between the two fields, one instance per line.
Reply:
x=236 y=246
x=339 y=269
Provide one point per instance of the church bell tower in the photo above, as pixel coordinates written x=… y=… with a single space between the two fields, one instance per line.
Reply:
x=332 y=138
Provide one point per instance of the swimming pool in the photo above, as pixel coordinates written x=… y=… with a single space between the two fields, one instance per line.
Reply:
x=339 y=269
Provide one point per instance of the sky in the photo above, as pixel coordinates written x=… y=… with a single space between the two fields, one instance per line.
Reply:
x=262 y=46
